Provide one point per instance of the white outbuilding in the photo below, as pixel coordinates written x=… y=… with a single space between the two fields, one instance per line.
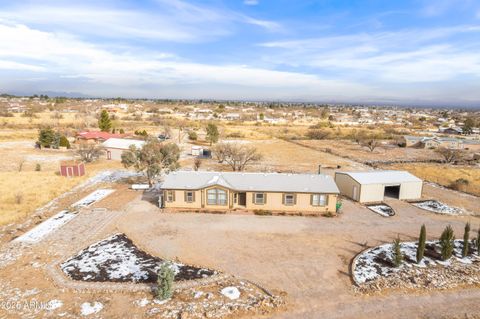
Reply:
x=374 y=186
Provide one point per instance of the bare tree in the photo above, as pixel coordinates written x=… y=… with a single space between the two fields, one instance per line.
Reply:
x=238 y=156
x=449 y=155
x=89 y=152
x=197 y=162
x=370 y=143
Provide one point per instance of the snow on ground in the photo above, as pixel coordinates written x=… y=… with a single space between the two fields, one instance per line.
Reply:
x=142 y=302
x=95 y=196
x=384 y=210
x=88 y=308
x=117 y=259
x=438 y=207
x=42 y=230
x=231 y=293
x=376 y=262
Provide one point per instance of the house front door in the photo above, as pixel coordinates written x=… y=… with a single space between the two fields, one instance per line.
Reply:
x=242 y=199
x=109 y=155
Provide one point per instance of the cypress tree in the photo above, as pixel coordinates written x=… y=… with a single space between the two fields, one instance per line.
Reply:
x=466 y=237
x=397 y=253
x=421 y=243
x=104 y=122
x=446 y=242
x=165 y=281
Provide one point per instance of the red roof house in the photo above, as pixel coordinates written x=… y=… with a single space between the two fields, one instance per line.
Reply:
x=96 y=136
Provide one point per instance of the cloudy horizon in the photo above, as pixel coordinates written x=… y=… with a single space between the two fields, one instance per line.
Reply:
x=344 y=51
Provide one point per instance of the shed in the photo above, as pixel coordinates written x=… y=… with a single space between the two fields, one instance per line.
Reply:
x=197 y=150
x=72 y=168
x=374 y=186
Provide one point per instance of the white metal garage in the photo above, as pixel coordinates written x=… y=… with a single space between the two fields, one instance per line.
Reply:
x=374 y=186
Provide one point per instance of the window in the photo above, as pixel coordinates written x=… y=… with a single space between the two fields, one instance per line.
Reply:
x=216 y=196
x=170 y=196
x=189 y=197
x=259 y=198
x=289 y=199
x=319 y=200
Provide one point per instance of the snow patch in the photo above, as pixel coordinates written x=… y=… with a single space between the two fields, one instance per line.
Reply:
x=377 y=262
x=438 y=207
x=95 y=196
x=88 y=308
x=117 y=259
x=231 y=293
x=383 y=210
x=142 y=302
x=42 y=230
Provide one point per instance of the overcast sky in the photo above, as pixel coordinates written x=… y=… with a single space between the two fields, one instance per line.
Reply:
x=425 y=51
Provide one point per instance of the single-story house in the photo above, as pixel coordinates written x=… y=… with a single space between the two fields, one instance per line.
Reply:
x=315 y=193
x=114 y=147
x=374 y=186
x=96 y=136
x=434 y=142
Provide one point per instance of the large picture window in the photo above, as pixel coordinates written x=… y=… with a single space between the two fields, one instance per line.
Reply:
x=319 y=200
x=216 y=196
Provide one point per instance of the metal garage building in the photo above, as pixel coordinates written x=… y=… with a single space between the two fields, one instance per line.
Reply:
x=374 y=186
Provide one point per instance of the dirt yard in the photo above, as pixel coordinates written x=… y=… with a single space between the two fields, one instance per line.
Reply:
x=308 y=258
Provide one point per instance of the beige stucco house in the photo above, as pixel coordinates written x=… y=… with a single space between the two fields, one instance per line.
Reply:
x=314 y=193
x=374 y=186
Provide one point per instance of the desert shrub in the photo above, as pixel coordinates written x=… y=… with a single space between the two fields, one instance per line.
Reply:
x=446 y=242
x=6 y=114
x=236 y=135
x=262 y=212
x=18 y=198
x=460 y=184
x=166 y=276
x=397 y=252
x=329 y=214
x=38 y=167
x=192 y=136
x=317 y=134
x=466 y=236
x=421 y=243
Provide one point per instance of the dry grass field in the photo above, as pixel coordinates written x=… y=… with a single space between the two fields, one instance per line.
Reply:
x=385 y=152
x=23 y=191
x=444 y=174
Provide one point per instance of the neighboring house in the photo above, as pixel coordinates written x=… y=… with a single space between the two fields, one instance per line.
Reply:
x=114 y=147
x=96 y=136
x=374 y=186
x=451 y=130
x=249 y=191
x=434 y=142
